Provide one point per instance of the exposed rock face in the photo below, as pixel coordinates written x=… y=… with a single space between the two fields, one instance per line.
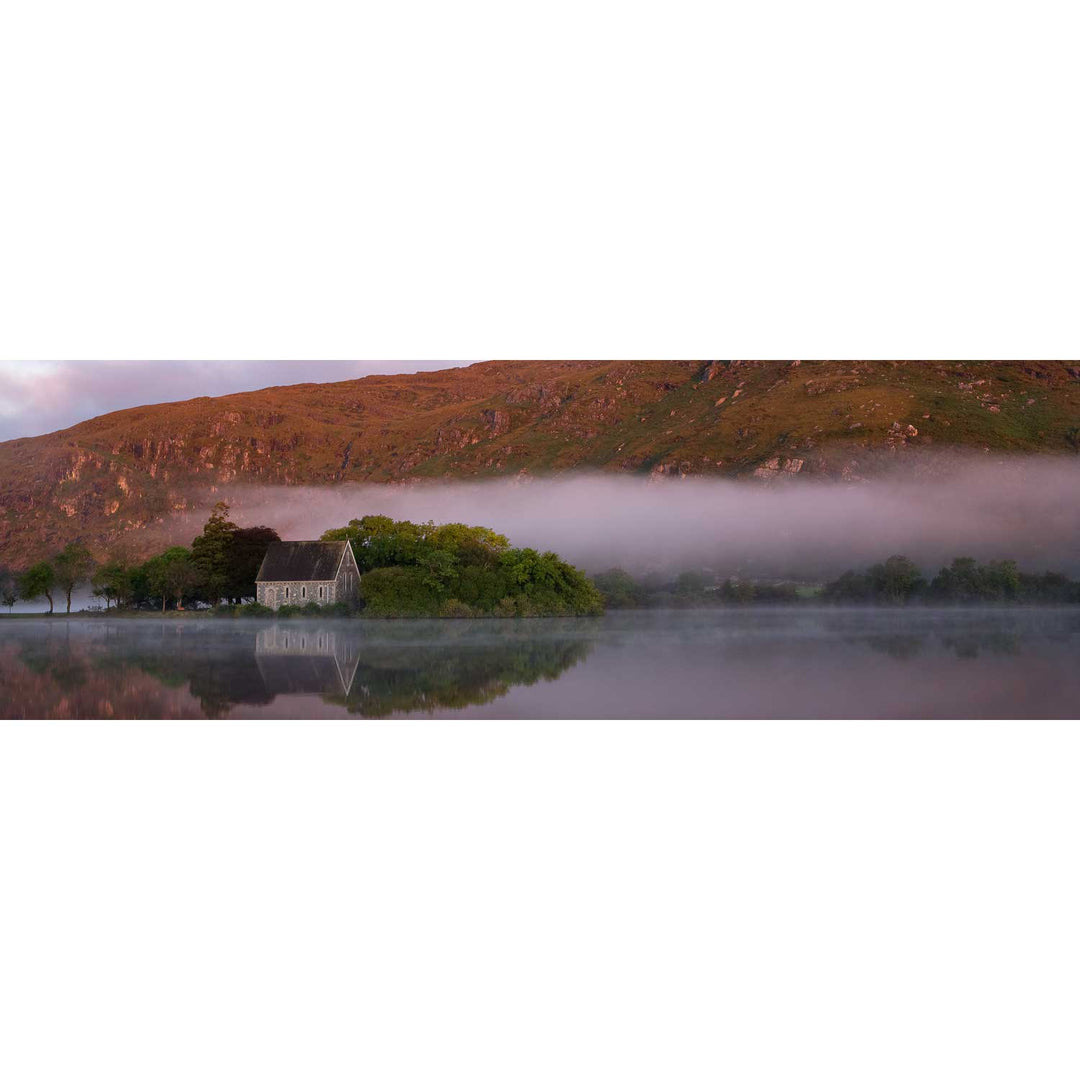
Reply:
x=899 y=434
x=776 y=467
x=119 y=476
x=496 y=421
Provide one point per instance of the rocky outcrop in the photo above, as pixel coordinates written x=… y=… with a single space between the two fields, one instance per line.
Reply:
x=777 y=467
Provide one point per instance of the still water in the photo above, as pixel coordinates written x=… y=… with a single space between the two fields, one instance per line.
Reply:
x=755 y=663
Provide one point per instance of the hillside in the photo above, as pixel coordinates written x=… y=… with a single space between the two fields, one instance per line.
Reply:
x=117 y=479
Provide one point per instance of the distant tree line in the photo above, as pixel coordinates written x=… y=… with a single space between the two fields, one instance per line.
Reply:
x=897 y=580
x=220 y=564
x=690 y=589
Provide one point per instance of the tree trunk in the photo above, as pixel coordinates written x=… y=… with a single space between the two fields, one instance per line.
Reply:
x=48 y=596
x=69 y=601
x=163 y=603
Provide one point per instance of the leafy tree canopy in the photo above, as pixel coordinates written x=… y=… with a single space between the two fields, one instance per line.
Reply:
x=457 y=569
x=38 y=580
x=211 y=552
x=72 y=567
x=9 y=587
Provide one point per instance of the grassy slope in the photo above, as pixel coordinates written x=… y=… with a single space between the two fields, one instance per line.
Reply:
x=122 y=474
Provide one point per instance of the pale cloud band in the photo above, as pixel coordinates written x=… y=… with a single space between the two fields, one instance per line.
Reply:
x=37 y=397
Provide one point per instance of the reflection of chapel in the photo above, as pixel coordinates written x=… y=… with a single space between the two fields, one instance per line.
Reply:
x=304 y=660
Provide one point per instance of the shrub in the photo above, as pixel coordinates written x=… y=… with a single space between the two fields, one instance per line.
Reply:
x=339 y=609
x=398 y=591
x=737 y=591
x=481 y=587
x=456 y=609
x=619 y=589
x=254 y=611
x=507 y=608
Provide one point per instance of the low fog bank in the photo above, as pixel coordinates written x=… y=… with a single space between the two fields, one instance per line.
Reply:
x=81 y=599
x=1026 y=509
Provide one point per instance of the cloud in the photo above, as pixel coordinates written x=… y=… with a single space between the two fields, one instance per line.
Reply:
x=24 y=388
x=37 y=397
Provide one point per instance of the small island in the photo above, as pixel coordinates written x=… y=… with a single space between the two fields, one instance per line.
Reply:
x=393 y=569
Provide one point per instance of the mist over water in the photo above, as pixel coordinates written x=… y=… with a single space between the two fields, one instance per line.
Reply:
x=1027 y=509
x=799 y=662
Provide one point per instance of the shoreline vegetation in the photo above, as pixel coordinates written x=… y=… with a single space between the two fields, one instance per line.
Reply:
x=896 y=582
x=408 y=570
x=457 y=571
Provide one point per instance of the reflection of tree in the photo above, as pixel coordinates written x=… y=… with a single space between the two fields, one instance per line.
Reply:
x=220 y=674
x=967 y=646
x=898 y=646
x=54 y=658
x=62 y=678
x=217 y=669
x=157 y=669
x=964 y=645
x=425 y=678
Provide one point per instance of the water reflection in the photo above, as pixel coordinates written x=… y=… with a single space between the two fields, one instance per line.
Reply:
x=434 y=674
x=753 y=663
x=169 y=669
x=306 y=660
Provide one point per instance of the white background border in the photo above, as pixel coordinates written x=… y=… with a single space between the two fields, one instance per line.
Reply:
x=418 y=180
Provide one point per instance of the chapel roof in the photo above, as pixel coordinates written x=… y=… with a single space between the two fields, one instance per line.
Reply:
x=302 y=560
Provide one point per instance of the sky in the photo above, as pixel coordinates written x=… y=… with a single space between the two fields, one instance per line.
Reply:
x=37 y=396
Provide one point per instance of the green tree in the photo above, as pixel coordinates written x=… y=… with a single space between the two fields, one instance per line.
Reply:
x=619 y=589
x=173 y=575
x=547 y=585
x=691 y=584
x=243 y=559
x=113 y=581
x=39 y=580
x=738 y=591
x=139 y=582
x=1004 y=579
x=398 y=591
x=211 y=552
x=896 y=580
x=471 y=543
x=438 y=569
x=72 y=567
x=9 y=587
x=965 y=581
x=379 y=541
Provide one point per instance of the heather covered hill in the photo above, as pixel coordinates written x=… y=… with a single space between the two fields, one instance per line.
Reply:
x=111 y=480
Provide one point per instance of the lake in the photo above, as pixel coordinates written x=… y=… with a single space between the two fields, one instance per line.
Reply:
x=732 y=662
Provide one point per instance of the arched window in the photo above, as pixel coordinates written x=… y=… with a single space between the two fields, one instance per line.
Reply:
x=303 y=592
x=286 y=592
